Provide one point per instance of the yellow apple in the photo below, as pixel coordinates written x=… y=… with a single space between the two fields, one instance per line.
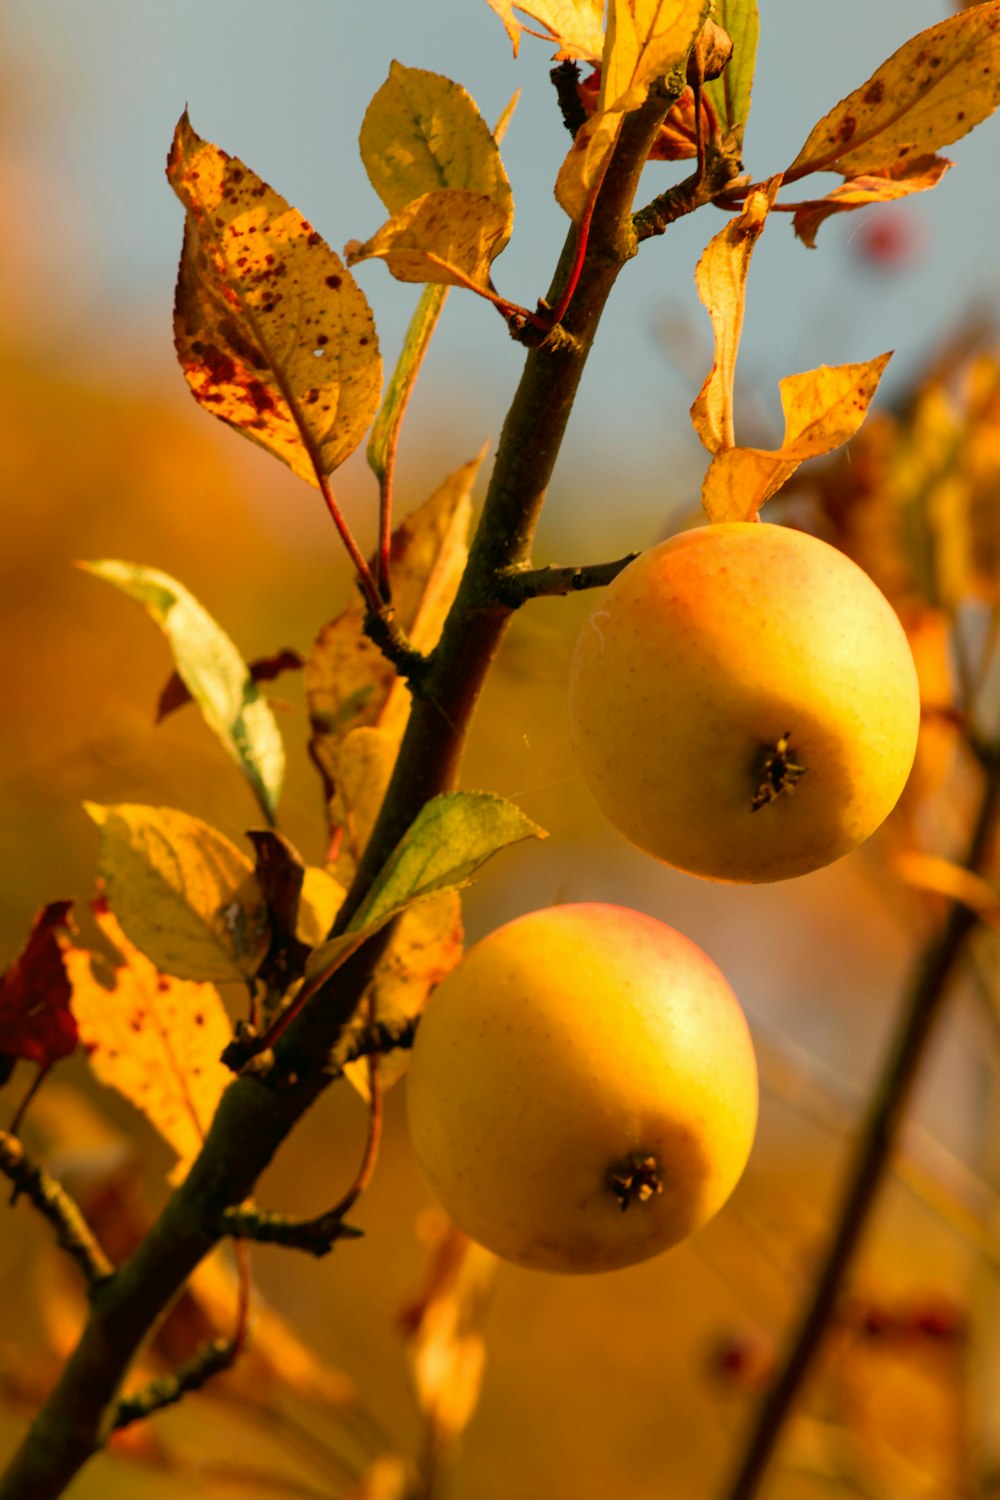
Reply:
x=743 y=703
x=583 y=1089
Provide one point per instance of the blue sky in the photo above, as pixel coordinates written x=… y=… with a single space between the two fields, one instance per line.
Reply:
x=100 y=86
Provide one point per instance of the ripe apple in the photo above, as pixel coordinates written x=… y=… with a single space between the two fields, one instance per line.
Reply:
x=743 y=703
x=583 y=1089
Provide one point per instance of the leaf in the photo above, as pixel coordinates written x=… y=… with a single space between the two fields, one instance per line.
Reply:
x=730 y=93
x=449 y=237
x=927 y=872
x=425 y=946
x=422 y=132
x=174 y=694
x=274 y=336
x=382 y=439
x=214 y=673
x=576 y=25
x=156 y=1040
x=914 y=176
x=349 y=683
x=183 y=894
x=36 y=1022
x=452 y=835
x=929 y=93
x=362 y=768
x=721 y=276
x=645 y=40
x=823 y=409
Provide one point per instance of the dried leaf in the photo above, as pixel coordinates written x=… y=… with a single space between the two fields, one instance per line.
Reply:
x=157 y=1040
x=214 y=673
x=36 y=1022
x=577 y=26
x=422 y=132
x=443 y=1330
x=349 y=683
x=183 y=894
x=274 y=335
x=823 y=409
x=929 y=93
x=363 y=764
x=645 y=40
x=730 y=93
x=425 y=946
x=720 y=277
x=915 y=176
x=582 y=172
x=450 y=237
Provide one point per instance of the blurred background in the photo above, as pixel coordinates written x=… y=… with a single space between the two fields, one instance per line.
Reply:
x=635 y=1384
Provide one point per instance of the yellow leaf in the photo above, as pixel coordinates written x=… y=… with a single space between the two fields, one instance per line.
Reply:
x=422 y=132
x=348 y=681
x=182 y=893
x=720 y=277
x=646 y=40
x=363 y=766
x=319 y=902
x=450 y=237
x=155 y=1039
x=823 y=409
x=425 y=945
x=929 y=873
x=915 y=176
x=274 y=336
x=932 y=91
x=576 y=25
x=582 y=171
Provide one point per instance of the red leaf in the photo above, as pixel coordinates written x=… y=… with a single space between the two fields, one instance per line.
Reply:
x=35 y=1019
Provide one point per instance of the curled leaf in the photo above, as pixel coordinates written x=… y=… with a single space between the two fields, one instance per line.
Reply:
x=214 y=673
x=450 y=237
x=273 y=334
x=823 y=409
x=721 y=276
x=36 y=1022
x=914 y=176
x=576 y=26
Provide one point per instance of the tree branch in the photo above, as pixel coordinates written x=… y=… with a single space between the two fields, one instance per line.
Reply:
x=55 y=1204
x=871 y=1159
x=254 y=1117
x=537 y=583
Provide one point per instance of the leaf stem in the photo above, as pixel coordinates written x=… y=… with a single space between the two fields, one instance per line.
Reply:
x=872 y=1157
x=54 y=1204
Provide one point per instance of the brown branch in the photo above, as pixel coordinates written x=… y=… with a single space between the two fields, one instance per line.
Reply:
x=872 y=1157
x=254 y=1117
x=539 y=583
x=54 y=1204
x=211 y=1358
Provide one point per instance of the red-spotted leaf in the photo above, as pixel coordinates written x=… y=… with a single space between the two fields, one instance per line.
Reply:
x=932 y=91
x=36 y=1022
x=274 y=335
x=915 y=176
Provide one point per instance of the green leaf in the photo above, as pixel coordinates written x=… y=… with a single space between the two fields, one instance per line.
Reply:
x=182 y=893
x=452 y=835
x=450 y=838
x=730 y=94
x=214 y=673
x=385 y=429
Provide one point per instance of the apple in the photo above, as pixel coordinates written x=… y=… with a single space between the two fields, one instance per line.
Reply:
x=743 y=703
x=583 y=1089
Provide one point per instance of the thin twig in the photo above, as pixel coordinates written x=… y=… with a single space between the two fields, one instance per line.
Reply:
x=54 y=1203
x=211 y=1358
x=518 y=586
x=871 y=1160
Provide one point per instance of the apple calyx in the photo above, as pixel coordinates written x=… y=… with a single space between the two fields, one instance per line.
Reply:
x=636 y=1179
x=779 y=771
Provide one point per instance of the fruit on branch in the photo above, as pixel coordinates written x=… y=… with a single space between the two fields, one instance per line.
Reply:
x=583 y=1089
x=743 y=703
